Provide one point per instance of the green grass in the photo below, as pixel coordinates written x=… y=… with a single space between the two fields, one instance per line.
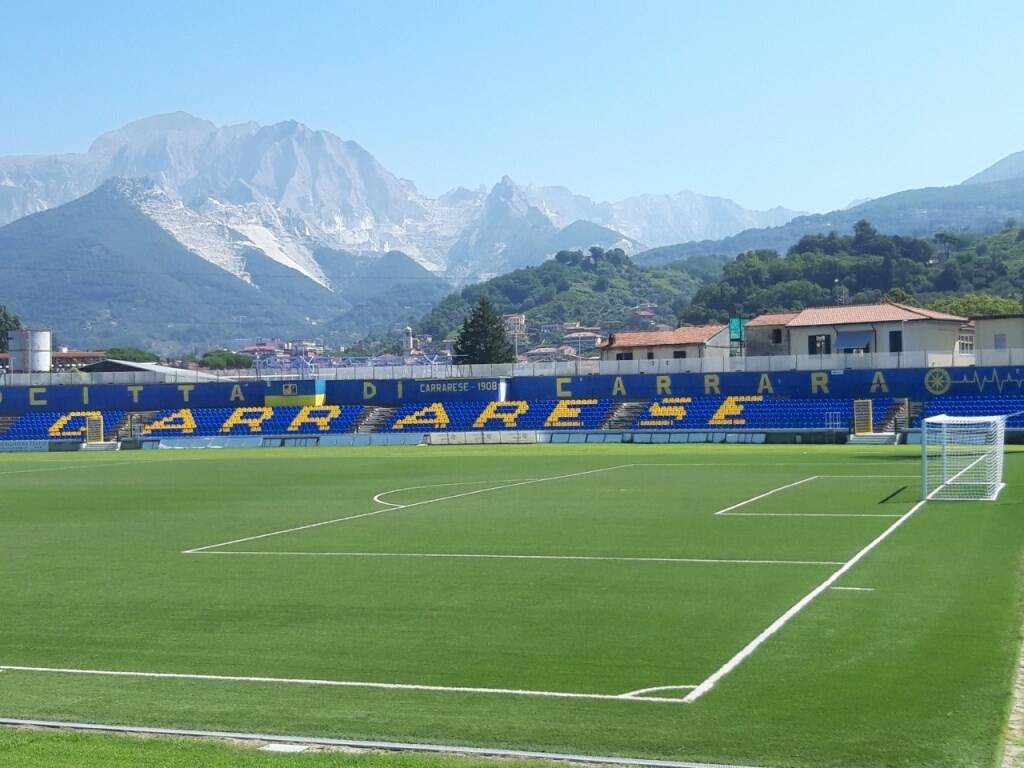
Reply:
x=24 y=748
x=916 y=673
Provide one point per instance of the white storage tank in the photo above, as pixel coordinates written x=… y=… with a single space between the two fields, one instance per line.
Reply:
x=31 y=350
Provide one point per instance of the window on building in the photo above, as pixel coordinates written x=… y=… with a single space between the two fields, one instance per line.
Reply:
x=895 y=341
x=819 y=345
x=679 y=354
x=965 y=343
x=999 y=341
x=650 y=355
x=623 y=355
x=776 y=335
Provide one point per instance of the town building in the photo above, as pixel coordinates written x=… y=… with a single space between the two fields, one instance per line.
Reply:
x=687 y=341
x=856 y=328
x=997 y=332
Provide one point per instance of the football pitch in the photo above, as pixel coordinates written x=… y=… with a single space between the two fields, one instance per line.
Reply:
x=746 y=605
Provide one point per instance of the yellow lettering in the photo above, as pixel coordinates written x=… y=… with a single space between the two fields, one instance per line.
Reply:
x=711 y=384
x=566 y=413
x=320 y=415
x=369 y=390
x=819 y=382
x=667 y=413
x=60 y=427
x=186 y=390
x=765 y=385
x=34 y=395
x=236 y=393
x=878 y=383
x=251 y=417
x=663 y=385
x=136 y=388
x=180 y=421
x=618 y=387
x=434 y=415
x=731 y=408
x=560 y=389
x=507 y=412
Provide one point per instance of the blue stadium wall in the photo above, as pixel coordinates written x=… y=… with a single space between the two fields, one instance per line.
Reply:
x=917 y=384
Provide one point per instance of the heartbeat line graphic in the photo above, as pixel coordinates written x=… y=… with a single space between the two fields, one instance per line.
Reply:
x=981 y=382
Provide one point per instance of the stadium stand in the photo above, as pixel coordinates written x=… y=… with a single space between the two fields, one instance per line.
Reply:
x=976 y=405
x=500 y=415
x=56 y=425
x=253 y=420
x=754 y=412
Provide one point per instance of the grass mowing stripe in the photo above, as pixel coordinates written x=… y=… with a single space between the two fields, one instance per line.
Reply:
x=344 y=683
x=802 y=603
x=396 y=508
x=611 y=558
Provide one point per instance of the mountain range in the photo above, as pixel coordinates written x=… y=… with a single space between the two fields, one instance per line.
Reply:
x=173 y=231
x=980 y=205
x=269 y=206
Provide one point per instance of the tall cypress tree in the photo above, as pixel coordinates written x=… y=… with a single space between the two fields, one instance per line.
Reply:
x=8 y=322
x=482 y=337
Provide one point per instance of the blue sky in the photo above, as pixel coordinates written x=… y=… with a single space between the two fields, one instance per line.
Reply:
x=803 y=104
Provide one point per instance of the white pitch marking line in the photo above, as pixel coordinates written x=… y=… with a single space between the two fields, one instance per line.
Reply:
x=765 y=494
x=802 y=514
x=855 y=589
x=379 y=498
x=308 y=526
x=698 y=560
x=339 y=683
x=802 y=603
x=657 y=688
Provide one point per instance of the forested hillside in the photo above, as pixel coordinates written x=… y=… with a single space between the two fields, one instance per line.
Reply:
x=597 y=287
x=946 y=270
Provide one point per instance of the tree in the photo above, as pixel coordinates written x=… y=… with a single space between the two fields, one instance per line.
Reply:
x=8 y=322
x=220 y=359
x=977 y=305
x=482 y=337
x=132 y=354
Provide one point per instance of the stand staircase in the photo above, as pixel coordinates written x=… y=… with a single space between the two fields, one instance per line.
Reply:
x=622 y=415
x=373 y=418
x=6 y=422
x=132 y=423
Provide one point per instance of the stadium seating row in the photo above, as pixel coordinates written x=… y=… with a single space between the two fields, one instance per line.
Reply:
x=70 y=425
x=977 y=405
x=495 y=415
x=753 y=412
x=745 y=412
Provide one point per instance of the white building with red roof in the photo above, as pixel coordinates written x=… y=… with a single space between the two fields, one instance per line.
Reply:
x=856 y=328
x=687 y=341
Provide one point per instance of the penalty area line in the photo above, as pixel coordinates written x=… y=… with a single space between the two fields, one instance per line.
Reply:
x=457 y=555
x=344 y=684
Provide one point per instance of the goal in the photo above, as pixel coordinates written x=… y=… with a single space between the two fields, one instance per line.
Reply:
x=962 y=457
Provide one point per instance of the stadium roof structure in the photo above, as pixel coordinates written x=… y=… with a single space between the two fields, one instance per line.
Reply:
x=129 y=366
x=685 y=334
x=887 y=312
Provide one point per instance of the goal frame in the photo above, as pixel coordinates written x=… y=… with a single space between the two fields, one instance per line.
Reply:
x=969 y=470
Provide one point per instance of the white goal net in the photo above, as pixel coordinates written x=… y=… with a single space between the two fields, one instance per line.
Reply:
x=962 y=457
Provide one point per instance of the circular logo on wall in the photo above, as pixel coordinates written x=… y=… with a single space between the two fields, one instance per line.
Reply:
x=937 y=381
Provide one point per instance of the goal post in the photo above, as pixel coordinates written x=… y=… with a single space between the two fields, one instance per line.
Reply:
x=962 y=457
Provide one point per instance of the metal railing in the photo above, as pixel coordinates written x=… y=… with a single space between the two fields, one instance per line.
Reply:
x=834 y=362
